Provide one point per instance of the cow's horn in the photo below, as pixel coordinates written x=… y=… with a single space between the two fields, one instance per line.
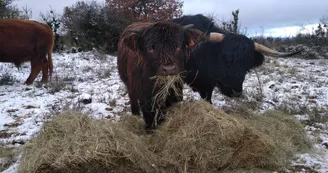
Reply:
x=269 y=52
x=216 y=37
x=135 y=31
x=188 y=26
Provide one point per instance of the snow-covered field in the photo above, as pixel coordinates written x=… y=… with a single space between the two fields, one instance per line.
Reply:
x=291 y=84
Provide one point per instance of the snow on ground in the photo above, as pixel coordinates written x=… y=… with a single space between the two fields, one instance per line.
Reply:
x=89 y=82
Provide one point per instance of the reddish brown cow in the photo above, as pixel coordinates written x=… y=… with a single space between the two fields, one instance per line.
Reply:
x=25 y=40
x=153 y=49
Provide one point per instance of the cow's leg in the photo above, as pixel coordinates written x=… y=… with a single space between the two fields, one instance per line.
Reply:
x=36 y=67
x=152 y=117
x=135 y=109
x=175 y=97
x=131 y=85
x=172 y=99
x=148 y=115
x=44 y=71
x=206 y=94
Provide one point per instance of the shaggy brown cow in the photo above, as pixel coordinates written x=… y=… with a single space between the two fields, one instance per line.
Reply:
x=153 y=49
x=24 y=40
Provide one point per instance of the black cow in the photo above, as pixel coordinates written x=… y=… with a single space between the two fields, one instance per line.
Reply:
x=223 y=63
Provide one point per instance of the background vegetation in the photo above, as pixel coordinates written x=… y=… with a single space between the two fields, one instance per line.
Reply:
x=87 y=25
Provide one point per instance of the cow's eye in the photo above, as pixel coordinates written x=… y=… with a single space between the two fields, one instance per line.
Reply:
x=151 y=49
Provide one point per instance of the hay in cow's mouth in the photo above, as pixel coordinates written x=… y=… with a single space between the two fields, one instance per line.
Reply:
x=165 y=86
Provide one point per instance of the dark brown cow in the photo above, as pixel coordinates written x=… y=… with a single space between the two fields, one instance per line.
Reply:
x=24 y=40
x=153 y=49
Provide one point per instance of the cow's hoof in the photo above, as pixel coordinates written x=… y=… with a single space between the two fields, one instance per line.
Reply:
x=38 y=84
x=44 y=81
x=28 y=83
x=149 y=129
x=160 y=121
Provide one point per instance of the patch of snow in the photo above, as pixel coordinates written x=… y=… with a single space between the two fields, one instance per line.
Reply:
x=91 y=84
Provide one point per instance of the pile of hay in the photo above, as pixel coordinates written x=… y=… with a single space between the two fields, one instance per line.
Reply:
x=199 y=137
x=73 y=142
x=195 y=138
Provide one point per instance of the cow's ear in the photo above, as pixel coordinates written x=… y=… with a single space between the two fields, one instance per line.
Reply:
x=193 y=37
x=258 y=59
x=132 y=39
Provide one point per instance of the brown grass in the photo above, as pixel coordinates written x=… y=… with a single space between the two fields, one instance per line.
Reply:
x=7 y=156
x=195 y=138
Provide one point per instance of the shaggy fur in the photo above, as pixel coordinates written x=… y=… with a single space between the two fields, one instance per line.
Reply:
x=223 y=65
x=146 y=50
x=200 y=22
x=25 y=40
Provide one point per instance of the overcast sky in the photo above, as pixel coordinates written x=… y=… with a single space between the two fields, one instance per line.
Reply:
x=275 y=17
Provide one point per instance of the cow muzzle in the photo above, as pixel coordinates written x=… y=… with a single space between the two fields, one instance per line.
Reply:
x=170 y=69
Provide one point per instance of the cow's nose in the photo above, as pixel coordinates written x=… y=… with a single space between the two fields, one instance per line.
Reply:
x=169 y=69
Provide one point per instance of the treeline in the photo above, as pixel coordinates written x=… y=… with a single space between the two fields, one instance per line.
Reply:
x=90 y=24
x=9 y=10
x=318 y=37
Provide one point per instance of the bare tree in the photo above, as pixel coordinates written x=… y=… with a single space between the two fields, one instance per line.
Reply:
x=147 y=10
x=9 y=10
x=53 y=20
x=26 y=13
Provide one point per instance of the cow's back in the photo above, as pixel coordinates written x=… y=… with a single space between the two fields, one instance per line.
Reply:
x=199 y=21
x=21 y=39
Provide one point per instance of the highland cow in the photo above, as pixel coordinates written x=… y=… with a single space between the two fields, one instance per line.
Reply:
x=25 y=40
x=148 y=50
x=222 y=63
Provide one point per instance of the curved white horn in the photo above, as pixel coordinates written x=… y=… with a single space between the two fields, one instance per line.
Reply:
x=188 y=26
x=269 y=52
x=214 y=36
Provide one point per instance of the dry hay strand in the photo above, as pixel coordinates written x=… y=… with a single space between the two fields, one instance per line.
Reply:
x=8 y=155
x=194 y=138
x=198 y=138
x=166 y=86
x=74 y=143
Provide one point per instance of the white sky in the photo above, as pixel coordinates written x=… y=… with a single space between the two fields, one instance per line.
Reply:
x=270 y=17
